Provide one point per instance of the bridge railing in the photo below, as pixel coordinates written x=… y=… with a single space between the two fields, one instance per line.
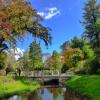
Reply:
x=41 y=74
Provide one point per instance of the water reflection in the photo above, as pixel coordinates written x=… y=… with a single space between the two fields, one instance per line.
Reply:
x=49 y=93
x=15 y=98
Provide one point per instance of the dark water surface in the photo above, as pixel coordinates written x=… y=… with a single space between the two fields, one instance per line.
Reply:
x=49 y=93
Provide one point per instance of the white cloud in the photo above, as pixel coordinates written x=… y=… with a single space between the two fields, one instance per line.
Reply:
x=17 y=52
x=52 y=10
x=49 y=13
x=42 y=14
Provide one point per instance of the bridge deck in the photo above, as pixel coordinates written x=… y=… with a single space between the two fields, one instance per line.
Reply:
x=49 y=76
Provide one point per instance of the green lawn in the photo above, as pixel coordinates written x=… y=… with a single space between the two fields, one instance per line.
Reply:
x=10 y=86
x=86 y=85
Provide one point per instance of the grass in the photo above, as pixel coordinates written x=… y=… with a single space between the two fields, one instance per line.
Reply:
x=10 y=86
x=86 y=85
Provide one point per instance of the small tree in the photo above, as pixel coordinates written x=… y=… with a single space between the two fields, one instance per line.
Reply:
x=3 y=60
x=56 y=61
x=24 y=61
x=35 y=55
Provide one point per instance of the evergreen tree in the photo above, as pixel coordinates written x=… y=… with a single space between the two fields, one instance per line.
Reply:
x=91 y=18
x=35 y=55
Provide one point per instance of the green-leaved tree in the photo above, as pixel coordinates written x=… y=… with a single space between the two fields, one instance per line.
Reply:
x=35 y=55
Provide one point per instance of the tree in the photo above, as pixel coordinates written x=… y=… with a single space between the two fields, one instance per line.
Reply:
x=91 y=65
x=17 y=18
x=3 y=60
x=72 y=56
x=24 y=61
x=91 y=18
x=87 y=52
x=35 y=55
x=95 y=65
x=78 y=42
x=11 y=59
x=48 y=63
x=56 y=61
x=66 y=45
x=3 y=45
x=75 y=42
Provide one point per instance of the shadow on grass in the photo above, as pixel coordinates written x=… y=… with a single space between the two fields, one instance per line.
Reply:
x=25 y=80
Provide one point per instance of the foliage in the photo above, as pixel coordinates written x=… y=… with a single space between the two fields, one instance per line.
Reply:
x=89 y=61
x=17 y=18
x=88 y=52
x=85 y=65
x=66 y=45
x=92 y=32
x=78 y=42
x=75 y=42
x=97 y=51
x=35 y=55
x=24 y=62
x=72 y=56
x=91 y=18
x=3 y=45
x=3 y=60
x=48 y=63
x=64 y=68
x=56 y=61
x=95 y=66
x=11 y=60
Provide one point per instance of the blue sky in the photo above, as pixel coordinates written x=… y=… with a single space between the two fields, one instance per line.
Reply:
x=63 y=17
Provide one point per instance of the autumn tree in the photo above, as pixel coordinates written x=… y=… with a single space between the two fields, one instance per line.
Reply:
x=72 y=56
x=48 y=63
x=17 y=17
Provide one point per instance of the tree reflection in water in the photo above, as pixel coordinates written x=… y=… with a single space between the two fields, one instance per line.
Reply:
x=56 y=92
x=50 y=93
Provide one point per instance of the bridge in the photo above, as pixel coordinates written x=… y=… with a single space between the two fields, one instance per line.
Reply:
x=48 y=77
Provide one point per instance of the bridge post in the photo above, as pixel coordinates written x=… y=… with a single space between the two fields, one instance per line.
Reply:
x=52 y=72
x=32 y=73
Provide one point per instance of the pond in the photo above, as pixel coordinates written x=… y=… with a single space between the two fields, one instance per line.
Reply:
x=49 y=93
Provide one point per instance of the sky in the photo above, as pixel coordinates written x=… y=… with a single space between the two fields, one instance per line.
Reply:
x=63 y=17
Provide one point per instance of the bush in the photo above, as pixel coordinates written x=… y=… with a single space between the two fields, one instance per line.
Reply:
x=95 y=65
x=64 y=68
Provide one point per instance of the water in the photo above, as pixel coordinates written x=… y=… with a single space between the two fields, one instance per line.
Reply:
x=49 y=93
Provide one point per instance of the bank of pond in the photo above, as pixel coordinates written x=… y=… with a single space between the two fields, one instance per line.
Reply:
x=86 y=87
x=11 y=86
